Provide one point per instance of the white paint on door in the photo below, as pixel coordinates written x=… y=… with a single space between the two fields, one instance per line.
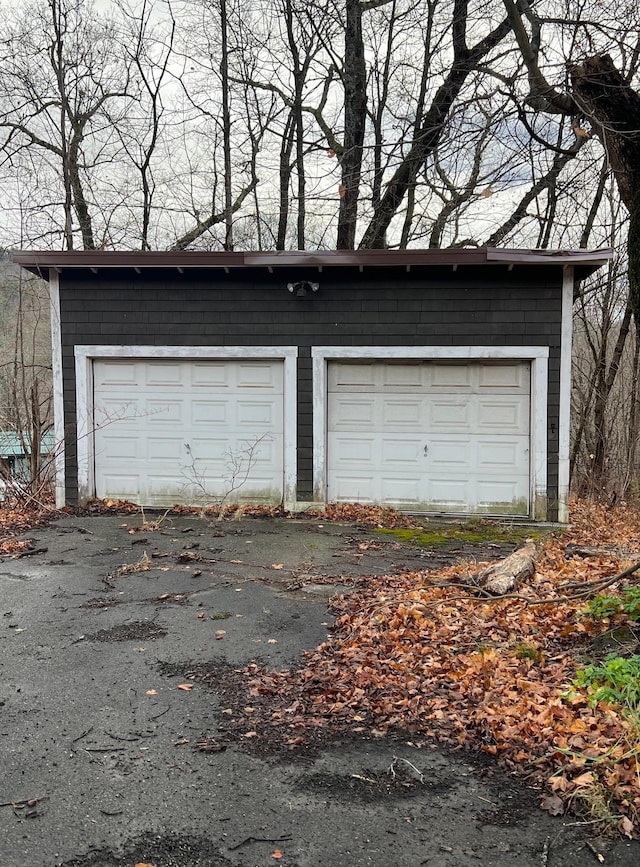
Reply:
x=176 y=430
x=429 y=435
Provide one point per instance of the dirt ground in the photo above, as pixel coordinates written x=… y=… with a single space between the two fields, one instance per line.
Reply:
x=112 y=756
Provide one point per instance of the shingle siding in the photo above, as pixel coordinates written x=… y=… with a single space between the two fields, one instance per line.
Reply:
x=487 y=305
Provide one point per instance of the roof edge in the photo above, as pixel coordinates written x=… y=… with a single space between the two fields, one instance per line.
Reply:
x=43 y=261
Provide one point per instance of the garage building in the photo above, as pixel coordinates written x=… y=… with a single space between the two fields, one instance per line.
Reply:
x=427 y=380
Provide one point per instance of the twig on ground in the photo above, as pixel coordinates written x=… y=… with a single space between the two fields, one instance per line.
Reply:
x=544 y=857
x=120 y=737
x=595 y=852
x=252 y=839
x=103 y=749
x=83 y=735
x=162 y=713
x=392 y=768
x=28 y=802
x=602 y=582
x=28 y=553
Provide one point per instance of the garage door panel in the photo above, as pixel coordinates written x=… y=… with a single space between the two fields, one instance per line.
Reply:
x=458 y=442
x=122 y=448
x=209 y=412
x=257 y=415
x=401 y=376
x=187 y=425
x=349 y=375
x=163 y=485
x=164 y=374
x=450 y=494
x=259 y=376
x=356 y=413
x=504 y=414
x=491 y=492
x=115 y=410
x=352 y=449
x=398 y=489
x=364 y=486
x=159 y=412
x=454 y=414
x=210 y=376
x=398 y=413
x=502 y=455
x=400 y=452
x=504 y=376
x=207 y=448
x=122 y=485
x=117 y=373
x=449 y=454
x=165 y=449
x=451 y=376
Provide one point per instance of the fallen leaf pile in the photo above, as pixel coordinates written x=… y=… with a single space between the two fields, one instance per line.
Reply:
x=17 y=517
x=365 y=515
x=495 y=674
x=14 y=546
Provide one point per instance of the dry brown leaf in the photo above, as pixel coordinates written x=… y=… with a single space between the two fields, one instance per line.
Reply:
x=220 y=634
x=151 y=692
x=185 y=686
x=277 y=855
x=553 y=805
x=277 y=565
x=626 y=827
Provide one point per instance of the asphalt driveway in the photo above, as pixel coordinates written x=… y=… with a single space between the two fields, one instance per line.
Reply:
x=111 y=759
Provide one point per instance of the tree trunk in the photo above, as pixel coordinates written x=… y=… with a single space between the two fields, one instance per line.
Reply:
x=355 y=115
x=226 y=127
x=613 y=107
x=505 y=575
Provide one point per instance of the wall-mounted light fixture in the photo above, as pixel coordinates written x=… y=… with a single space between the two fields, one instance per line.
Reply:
x=302 y=288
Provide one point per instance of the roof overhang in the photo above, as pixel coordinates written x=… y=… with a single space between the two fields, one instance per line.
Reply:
x=584 y=262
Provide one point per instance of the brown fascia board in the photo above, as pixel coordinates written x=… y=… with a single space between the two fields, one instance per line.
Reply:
x=42 y=262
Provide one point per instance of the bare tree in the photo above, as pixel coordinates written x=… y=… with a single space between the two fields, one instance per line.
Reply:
x=58 y=75
x=25 y=373
x=148 y=44
x=600 y=94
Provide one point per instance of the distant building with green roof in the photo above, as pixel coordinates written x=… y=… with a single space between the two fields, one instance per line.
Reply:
x=14 y=452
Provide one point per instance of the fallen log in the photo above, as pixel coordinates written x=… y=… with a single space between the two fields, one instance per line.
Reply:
x=504 y=575
x=598 y=551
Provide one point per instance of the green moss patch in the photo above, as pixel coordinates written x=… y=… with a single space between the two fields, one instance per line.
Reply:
x=478 y=532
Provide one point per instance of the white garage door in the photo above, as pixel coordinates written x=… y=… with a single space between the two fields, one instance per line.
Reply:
x=430 y=436
x=187 y=431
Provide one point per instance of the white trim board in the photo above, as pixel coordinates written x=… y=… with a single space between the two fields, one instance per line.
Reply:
x=537 y=356
x=85 y=355
x=564 y=412
x=58 y=394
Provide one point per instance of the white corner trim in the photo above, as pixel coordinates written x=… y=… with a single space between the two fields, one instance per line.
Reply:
x=564 y=412
x=537 y=356
x=58 y=394
x=85 y=356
